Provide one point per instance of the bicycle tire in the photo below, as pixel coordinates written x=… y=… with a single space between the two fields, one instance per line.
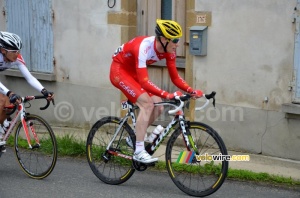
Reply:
x=196 y=176
x=110 y=169
x=39 y=161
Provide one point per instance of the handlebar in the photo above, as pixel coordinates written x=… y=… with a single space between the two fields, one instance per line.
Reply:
x=186 y=97
x=208 y=97
x=25 y=99
x=173 y=111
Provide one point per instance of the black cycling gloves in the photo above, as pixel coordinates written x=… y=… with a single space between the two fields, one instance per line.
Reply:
x=46 y=93
x=13 y=98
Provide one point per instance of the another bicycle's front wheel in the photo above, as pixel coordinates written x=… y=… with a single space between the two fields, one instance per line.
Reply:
x=194 y=171
x=39 y=160
x=113 y=165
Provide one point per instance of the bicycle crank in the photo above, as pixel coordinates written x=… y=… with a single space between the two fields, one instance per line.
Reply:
x=36 y=146
x=141 y=166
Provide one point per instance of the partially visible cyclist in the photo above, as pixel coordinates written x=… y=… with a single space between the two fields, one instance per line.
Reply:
x=129 y=73
x=10 y=46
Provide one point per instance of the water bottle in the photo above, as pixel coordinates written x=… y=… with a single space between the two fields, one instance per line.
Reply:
x=6 y=124
x=155 y=133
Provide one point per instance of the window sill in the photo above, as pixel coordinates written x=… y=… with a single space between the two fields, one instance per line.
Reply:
x=292 y=110
x=38 y=75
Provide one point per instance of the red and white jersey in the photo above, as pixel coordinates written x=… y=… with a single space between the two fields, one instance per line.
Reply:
x=20 y=63
x=140 y=52
x=135 y=55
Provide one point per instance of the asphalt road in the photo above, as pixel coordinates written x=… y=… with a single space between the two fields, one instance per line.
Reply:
x=73 y=178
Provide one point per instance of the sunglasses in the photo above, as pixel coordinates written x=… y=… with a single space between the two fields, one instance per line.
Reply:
x=176 y=40
x=13 y=51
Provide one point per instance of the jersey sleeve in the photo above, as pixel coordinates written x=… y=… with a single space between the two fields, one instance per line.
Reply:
x=141 y=51
x=148 y=85
x=175 y=77
x=142 y=72
x=28 y=76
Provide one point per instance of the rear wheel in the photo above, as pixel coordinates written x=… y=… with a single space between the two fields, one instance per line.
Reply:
x=188 y=169
x=113 y=165
x=39 y=160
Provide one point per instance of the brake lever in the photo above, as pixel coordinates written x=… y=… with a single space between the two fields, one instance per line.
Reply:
x=212 y=96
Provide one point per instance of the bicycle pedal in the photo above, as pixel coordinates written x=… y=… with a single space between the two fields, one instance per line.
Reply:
x=139 y=166
x=151 y=164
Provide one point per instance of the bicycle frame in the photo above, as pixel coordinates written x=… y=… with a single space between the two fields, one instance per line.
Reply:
x=131 y=114
x=178 y=118
x=20 y=116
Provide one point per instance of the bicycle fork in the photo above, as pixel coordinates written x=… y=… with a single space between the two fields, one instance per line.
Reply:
x=29 y=128
x=187 y=136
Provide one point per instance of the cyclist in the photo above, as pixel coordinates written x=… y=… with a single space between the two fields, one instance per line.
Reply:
x=129 y=73
x=10 y=46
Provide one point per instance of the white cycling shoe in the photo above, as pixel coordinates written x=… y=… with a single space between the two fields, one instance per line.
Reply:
x=144 y=157
x=2 y=142
x=2 y=145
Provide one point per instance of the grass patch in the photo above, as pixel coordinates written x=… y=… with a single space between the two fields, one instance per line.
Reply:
x=70 y=146
x=260 y=177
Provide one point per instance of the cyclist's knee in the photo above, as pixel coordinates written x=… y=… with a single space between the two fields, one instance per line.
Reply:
x=145 y=104
x=159 y=109
x=149 y=106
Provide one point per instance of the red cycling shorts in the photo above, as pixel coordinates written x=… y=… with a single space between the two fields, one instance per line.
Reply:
x=126 y=81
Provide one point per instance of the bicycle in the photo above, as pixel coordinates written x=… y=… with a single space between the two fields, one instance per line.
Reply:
x=187 y=154
x=34 y=141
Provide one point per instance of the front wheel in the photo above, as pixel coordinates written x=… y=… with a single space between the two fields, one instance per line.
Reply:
x=39 y=159
x=194 y=171
x=112 y=165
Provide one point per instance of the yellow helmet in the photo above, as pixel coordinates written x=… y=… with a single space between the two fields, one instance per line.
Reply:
x=168 y=28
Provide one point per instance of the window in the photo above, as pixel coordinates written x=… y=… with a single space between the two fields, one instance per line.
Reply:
x=32 y=21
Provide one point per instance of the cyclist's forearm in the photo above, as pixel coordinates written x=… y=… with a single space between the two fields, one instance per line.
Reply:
x=148 y=85
x=176 y=78
x=152 y=88
x=181 y=84
x=35 y=84
x=30 y=79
